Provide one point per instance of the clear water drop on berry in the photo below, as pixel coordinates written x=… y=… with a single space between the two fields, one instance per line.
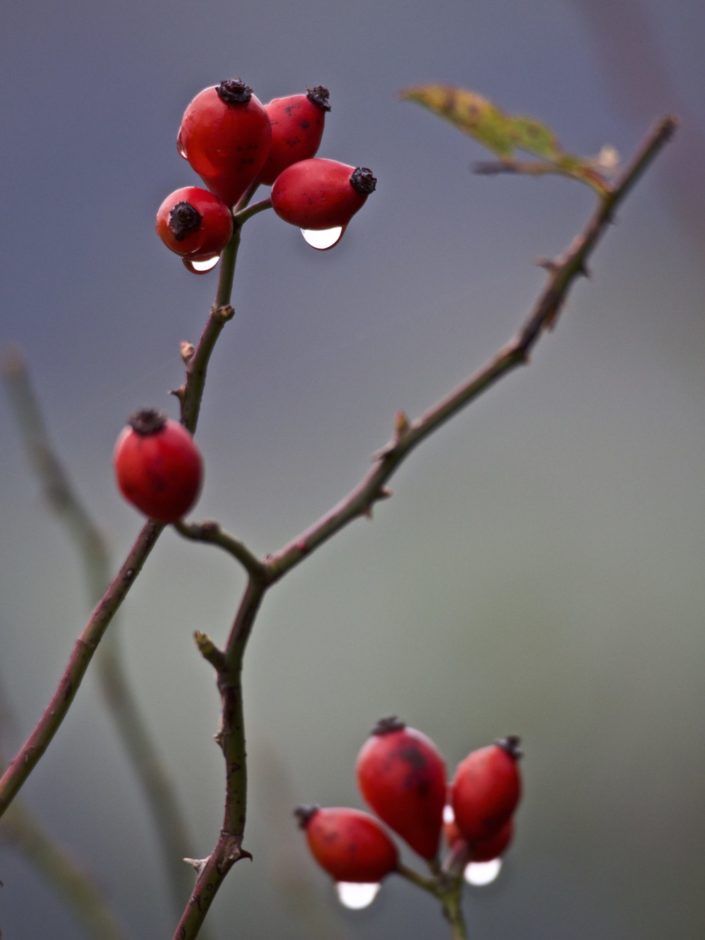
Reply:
x=201 y=265
x=356 y=896
x=181 y=150
x=323 y=239
x=480 y=874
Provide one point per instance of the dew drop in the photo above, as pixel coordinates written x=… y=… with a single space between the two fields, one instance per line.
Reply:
x=181 y=150
x=201 y=265
x=323 y=239
x=356 y=896
x=448 y=814
x=482 y=873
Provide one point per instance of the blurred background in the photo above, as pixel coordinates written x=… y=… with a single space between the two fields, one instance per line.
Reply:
x=539 y=568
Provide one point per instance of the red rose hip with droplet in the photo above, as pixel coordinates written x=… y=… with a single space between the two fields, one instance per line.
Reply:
x=158 y=467
x=225 y=135
x=194 y=223
x=297 y=127
x=348 y=844
x=402 y=776
x=321 y=194
x=486 y=789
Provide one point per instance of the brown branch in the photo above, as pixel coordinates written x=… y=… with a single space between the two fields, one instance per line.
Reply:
x=562 y=273
x=210 y=533
x=231 y=740
x=190 y=395
x=359 y=502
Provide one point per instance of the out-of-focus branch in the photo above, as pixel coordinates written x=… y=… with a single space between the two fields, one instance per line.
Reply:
x=141 y=750
x=21 y=830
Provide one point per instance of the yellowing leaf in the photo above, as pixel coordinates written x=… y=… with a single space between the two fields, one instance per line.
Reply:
x=504 y=134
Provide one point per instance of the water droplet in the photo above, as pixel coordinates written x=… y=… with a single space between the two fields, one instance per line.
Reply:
x=356 y=896
x=201 y=265
x=482 y=873
x=448 y=814
x=324 y=238
x=181 y=150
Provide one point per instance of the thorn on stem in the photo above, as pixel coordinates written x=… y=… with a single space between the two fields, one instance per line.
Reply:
x=186 y=350
x=179 y=393
x=198 y=864
x=224 y=313
x=548 y=264
x=402 y=425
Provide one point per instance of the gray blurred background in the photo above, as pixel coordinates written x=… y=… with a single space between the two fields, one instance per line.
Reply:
x=540 y=567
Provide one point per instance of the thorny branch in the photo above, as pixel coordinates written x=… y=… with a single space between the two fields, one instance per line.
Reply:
x=562 y=272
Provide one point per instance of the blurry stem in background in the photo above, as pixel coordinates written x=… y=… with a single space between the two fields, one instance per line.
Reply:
x=75 y=885
x=562 y=272
x=142 y=753
x=190 y=395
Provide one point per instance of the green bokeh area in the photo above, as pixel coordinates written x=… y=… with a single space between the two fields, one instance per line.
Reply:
x=539 y=568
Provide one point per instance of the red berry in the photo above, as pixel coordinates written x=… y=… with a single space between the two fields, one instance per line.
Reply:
x=486 y=789
x=193 y=222
x=402 y=776
x=157 y=466
x=225 y=135
x=297 y=127
x=484 y=850
x=321 y=194
x=349 y=844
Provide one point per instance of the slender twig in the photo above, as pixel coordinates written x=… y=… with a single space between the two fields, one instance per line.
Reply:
x=70 y=880
x=141 y=750
x=190 y=396
x=210 y=533
x=231 y=740
x=359 y=502
x=562 y=272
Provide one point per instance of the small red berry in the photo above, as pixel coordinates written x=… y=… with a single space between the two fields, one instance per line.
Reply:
x=194 y=223
x=157 y=466
x=297 y=127
x=486 y=789
x=321 y=194
x=402 y=776
x=484 y=850
x=349 y=844
x=225 y=135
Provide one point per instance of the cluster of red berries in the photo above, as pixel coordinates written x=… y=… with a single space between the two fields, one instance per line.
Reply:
x=158 y=467
x=234 y=143
x=402 y=776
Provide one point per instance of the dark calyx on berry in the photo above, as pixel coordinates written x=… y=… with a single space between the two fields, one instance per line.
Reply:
x=183 y=220
x=319 y=95
x=510 y=744
x=363 y=181
x=305 y=814
x=147 y=422
x=388 y=725
x=234 y=91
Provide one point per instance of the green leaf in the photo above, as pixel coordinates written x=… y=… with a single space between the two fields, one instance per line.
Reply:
x=503 y=134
